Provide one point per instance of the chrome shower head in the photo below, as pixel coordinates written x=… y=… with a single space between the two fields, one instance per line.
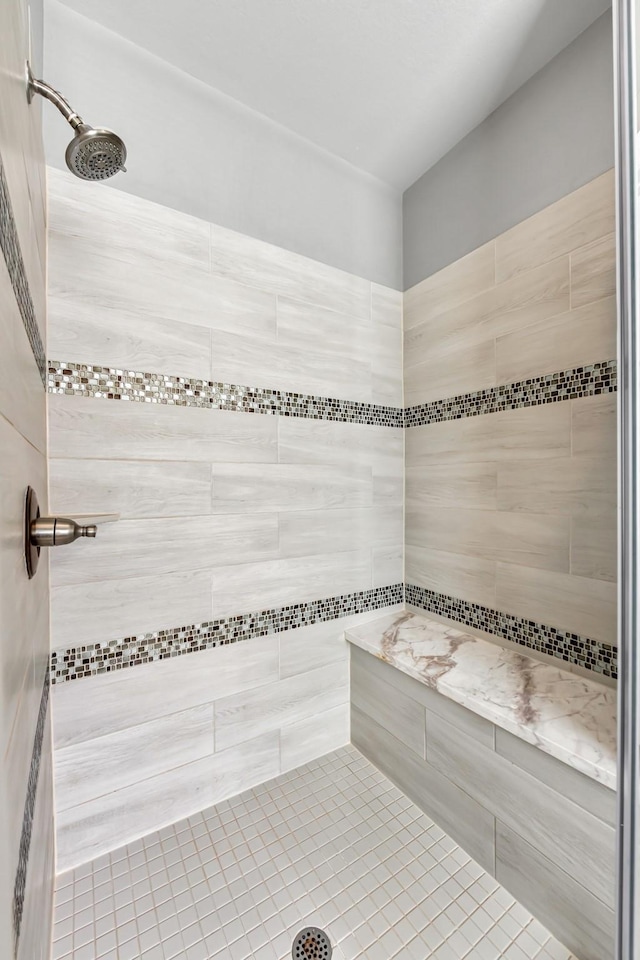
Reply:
x=92 y=154
x=95 y=154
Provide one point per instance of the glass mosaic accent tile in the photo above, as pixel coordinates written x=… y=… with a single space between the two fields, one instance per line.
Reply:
x=594 y=655
x=97 y=658
x=10 y=246
x=585 y=381
x=332 y=844
x=27 y=819
x=89 y=380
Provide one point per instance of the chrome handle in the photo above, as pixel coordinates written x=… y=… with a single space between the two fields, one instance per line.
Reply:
x=55 y=531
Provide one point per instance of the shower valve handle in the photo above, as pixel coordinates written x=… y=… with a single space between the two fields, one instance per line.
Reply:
x=54 y=531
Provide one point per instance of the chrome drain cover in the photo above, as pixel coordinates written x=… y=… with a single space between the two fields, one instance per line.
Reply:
x=311 y=944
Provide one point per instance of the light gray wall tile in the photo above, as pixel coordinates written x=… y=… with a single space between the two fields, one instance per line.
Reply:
x=90 y=829
x=311 y=647
x=532 y=540
x=307 y=739
x=109 y=609
x=400 y=715
x=472 y=578
x=304 y=532
x=594 y=546
x=461 y=817
x=586 y=792
x=574 y=840
x=116 y=701
x=249 y=488
x=132 y=488
x=245 y=587
x=135 y=548
x=584 y=335
x=325 y=441
x=470 y=724
x=249 y=714
x=593 y=426
x=528 y=433
x=575 y=486
x=81 y=427
x=579 y=920
x=462 y=370
x=92 y=768
x=593 y=271
x=276 y=270
x=386 y=306
x=578 y=604
x=388 y=564
x=468 y=485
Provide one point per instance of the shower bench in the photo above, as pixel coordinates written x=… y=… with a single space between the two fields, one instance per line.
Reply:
x=514 y=757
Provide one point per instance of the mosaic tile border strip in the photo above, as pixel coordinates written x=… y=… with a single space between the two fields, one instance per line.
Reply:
x=95 y=658
x=27 y=819
x=587 y=381
x=594 y=655
x=109 y=383
x=10 y=246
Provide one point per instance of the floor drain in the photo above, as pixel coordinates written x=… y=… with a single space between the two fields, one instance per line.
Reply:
x=311 y=944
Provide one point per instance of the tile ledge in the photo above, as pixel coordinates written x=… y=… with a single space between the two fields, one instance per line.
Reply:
x=567 y=716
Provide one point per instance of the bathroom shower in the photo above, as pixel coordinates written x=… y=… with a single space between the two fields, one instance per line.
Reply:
x=94 y=153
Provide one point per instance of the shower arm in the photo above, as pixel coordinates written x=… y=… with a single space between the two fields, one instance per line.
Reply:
x=39 y=86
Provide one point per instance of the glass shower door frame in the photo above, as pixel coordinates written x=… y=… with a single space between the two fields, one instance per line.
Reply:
x=625 y=49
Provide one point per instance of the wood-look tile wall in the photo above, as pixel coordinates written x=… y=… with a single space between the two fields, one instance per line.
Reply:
x=26 y=801
x=221 y=512
x=517 y=510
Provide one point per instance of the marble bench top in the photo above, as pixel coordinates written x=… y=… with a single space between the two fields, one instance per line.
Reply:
x=567 y=716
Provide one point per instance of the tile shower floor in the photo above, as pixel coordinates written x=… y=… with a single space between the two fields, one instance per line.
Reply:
x=332 y=844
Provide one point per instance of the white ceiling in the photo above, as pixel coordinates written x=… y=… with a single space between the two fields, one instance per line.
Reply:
x=388 y=85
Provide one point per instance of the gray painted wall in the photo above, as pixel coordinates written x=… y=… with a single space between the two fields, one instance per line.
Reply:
x=198 y=151
x=549 y=138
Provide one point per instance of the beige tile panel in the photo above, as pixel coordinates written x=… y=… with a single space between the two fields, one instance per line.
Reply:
x=112 y=338
x=305 y=532
x=594 y=426
x=457 y=575
x=464 y=369
x=244 y=716
x=331 y=442
x=127 y=227
x=575 y=486
x=273 y=269
x=578 y=604
x=585 y=215
x=528 y=433
x=531 y=540
x=594 y=543
x=313 y=737
x=109 y=609
x=132 y=488
x=451 y=286
x=467 y=485
x=299 y=369
x=83 y=280
x=536 y=295
x=581 y=336
x=250 y=488
x=90 y=829
x=95 y=767
x=126 y=698
x=83 y=427
x=245 y=587
x=134 y=548
x=593 y=271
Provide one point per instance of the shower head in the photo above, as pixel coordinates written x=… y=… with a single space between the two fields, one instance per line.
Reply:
x=93 y=154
